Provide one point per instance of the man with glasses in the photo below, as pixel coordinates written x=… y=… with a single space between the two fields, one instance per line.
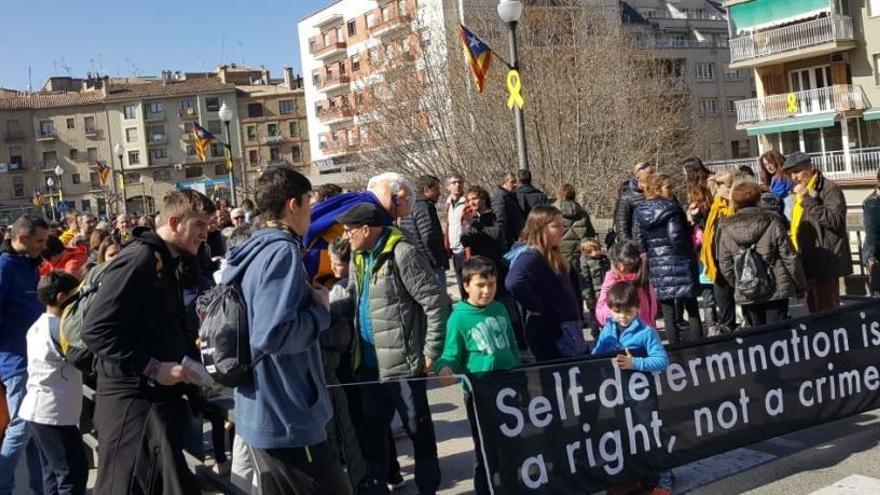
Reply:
x=238 y=217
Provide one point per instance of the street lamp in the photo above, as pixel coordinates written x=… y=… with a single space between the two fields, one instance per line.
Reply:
x=50 y=183
x=510 y=11
x=225 y=114
x=120 y=151
x=59 y=171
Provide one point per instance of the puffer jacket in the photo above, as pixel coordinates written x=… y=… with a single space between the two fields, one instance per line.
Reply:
x=871 y=212
x=767 y=232
x=510 y=217
x=822 y=236
x=664 y=233
x=528 y=197
x=424 y=224
x=629 y=197
x=577 y=227
x=408 y=308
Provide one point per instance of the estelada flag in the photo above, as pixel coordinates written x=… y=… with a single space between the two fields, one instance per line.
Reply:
x=478 y=55
x=103 y=171
x=202 y=139
x=38 y=199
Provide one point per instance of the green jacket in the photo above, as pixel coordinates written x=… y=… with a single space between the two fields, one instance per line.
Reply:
x=408 y=307
x=479 y=339
x=577 y=228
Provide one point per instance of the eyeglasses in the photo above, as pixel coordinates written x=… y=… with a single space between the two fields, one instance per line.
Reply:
x=238 y=218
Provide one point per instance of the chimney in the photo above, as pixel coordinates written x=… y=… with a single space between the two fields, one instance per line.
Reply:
x=166 y=76
x=264 y=76
x=105 y=85
x=288 y=76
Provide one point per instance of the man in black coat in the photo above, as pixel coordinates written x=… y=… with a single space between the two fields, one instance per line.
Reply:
x=424 y=225
x=527 y=195
x=629 y=197
x=508 y=215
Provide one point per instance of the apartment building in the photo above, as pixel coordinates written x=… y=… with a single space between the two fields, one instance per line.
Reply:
x=693 y=36
x=817 y=70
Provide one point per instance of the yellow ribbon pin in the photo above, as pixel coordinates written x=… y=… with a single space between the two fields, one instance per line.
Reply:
x=791 y=103
x=514 y=85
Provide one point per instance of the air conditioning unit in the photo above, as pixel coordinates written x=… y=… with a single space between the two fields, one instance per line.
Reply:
x=178 y=166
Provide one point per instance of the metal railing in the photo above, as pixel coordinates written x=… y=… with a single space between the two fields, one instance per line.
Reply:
x=838 y=97
x=326 y=83
x=699 y=16
x=389 y=24
x=679 y=43
x=334 y=113
x=788 y=38
x=863 y=163
x=319 y=49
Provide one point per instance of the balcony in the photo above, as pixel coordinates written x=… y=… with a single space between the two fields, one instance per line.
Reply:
x=334 y=115
x=337 y=148
x=15 y=167
x=13 y=136
x=806 y=39
x=46 y=136
x=92 y=132
x=276 y=163
x=155 y=117
x=674 y=43
x=837 y=98
x=334 y=83
x=187 y=113
x=273 y=139
x=48 y=165
x=862 y=163
x=157 y=162
x=391 y=25
x=322 y=52
x=693 y=16
x=157 y=139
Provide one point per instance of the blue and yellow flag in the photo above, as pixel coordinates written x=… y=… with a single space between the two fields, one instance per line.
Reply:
x=478 y=55
x=38 y=199
x=104 y=171
x=202 y=139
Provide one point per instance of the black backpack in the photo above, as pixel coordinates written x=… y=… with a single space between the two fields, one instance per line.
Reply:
x=754 y=277
x=224 y=336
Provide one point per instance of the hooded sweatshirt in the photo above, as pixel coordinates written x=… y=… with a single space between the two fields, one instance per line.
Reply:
x=19 y=309
x=287 y=404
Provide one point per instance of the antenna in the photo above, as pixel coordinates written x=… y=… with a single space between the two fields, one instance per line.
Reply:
x=241 y=52
x=30 y=85
x=66 y=67
x=221 y=48
x=100 y=64
x=54 y=67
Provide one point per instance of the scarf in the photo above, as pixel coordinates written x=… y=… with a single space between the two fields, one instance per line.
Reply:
x=797 y=214
x=720 y=209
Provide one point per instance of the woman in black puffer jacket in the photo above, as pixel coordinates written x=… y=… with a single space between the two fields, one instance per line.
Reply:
x=662 y=229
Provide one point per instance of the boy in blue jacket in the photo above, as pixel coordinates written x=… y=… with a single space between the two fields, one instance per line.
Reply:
x=626 y=332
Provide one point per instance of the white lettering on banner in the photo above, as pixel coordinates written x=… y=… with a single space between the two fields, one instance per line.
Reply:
x=531 y=467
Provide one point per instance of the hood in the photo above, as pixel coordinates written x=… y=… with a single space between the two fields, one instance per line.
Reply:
x=571 y=210
x=652 y=212
x=747 y=225
x=241 y=256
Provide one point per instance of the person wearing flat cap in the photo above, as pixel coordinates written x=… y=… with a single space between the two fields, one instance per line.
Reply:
x=818 y=231
x=400 y=321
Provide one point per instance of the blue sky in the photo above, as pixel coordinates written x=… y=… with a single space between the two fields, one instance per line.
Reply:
x=147 y=36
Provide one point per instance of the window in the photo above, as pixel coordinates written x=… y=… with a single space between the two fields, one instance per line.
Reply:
x=187 y=106
x=370 y=19
x=731 y=106
x=131 y=135
x=352 y=28
x=187 y=128
x=375 y=57
x=272 y=130
x=47 y=128
x=359 y=98
x=94 y=181
x=18 y=186
x=873 y=8
x=274 y=153
x=162 y=175
x=316 y=78
x=156 y=133
x=295 y=154
x=285 y=106
x=355 y=63
x=293 y=127
x=251 y=133
x=15 y=154
x=73 y=153
x=129 y=111
x=71 y=123
x=705 y=71
x=132 y=178
x=255 y=109
x=134 y=157
x=89 y=124
x=216 y=149
x=709 y=106
x=193 y=172
x=157 y=107
x=385 y=12
x=253 y=157
x=76 y=179
x=92 y=155
x=215 y=127
x=220 y=169
x=50 y=159
x=102 y=206
x=212 y=104
x=190 y=150
x=401 y=7
x=733 y=74
x=158 y=153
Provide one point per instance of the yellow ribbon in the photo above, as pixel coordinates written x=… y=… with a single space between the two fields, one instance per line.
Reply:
x=791 y=103
x=514 y=85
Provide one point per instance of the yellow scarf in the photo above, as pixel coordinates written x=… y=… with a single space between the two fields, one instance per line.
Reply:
x=720 y=209
x=797 y=213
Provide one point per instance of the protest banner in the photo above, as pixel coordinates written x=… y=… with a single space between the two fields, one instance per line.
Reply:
x=577 y=426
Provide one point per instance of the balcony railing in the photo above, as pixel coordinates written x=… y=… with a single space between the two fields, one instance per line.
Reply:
x=335 y=82
x=839 y=97
x=157 y=139
x=276 y=163
x=863 y=163
x=47 y=135
x=13 y=136
x=187 y=113
x=335 y=114
x=790 y=38
x=338 y=147
x=390 y=25
x=278 y=139
x=698 y=16
x=155 y=117
x=321 y=51
x=48 y=165
x=670 y=43
x=92 y=132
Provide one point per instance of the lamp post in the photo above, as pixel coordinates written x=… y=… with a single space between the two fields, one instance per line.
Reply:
x=120 y=151
x=50 y=183
x=510 y=11
x=225 y=114
x=59 y=172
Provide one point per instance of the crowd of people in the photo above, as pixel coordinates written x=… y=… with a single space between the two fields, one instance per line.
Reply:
x=348 y=316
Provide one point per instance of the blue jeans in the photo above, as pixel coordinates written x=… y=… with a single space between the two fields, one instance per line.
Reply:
x=17 y=440
x=440 y=273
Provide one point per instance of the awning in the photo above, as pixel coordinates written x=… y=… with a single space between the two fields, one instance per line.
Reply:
x=806 y=122
x=752 y=16
x=871 y=114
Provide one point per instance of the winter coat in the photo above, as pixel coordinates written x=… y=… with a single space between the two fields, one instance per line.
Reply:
x=592 y=274
x=664 y=233
x=577 y=227
x=648 y=306
x=509 y=216
x=767 y=232
x=424 y=225
x=408 y=308
x=481 y=236
x=871 y=212
x=637 y=336
x=547 y=298
x=822 y=236
x=528 y=197
x=629 y=197
x=19 y=308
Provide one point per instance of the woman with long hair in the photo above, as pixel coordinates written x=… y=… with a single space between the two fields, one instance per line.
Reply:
x=699 y=200
x=774 y=180
x=720 y=184
x=539 y=282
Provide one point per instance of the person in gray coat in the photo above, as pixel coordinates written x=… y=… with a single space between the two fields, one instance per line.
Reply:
x=424 y=225
x=400 y=321
x=751 y=225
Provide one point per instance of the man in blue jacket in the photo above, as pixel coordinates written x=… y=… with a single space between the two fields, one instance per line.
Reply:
x=19 y=308
x=283 y=414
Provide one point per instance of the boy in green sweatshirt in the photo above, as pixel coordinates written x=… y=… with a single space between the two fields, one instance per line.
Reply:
x=479 y=338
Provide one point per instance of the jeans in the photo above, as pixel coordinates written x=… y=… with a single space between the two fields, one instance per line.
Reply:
x=65 y=468
x=768 y=312
x=707 y=296
x=440 y=273
x=458 y=264
x=16 y=441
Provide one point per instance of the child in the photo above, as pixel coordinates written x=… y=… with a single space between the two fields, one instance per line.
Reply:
x=594 y=265
x=628 y=265
x=479 y=338
x=53 y=402
x=625 y=331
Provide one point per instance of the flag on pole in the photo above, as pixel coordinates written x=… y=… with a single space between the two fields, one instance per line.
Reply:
x=478 y=55
x=202 y=139
x=104 y=171
x=38 y=199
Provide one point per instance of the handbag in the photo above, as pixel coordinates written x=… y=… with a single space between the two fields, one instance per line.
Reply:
x=571 y=342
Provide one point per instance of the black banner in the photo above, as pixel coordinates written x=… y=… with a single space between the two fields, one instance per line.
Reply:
x=574 y=427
